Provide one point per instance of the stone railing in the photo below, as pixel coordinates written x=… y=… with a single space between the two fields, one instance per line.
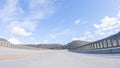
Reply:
x=5 y=43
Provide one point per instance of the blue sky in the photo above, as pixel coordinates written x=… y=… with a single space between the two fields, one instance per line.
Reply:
x=58 y=21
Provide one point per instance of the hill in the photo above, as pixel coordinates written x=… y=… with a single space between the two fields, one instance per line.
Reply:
x=46 y=46
x=76 y=43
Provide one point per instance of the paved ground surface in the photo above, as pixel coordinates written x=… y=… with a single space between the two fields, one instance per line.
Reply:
x=56 y=59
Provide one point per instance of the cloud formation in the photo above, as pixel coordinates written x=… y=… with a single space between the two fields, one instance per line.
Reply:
x=87 y=36
x=118 y=14
x=18 y=31
x=45 y=42
x=77 y=21
x=22 y=16
x=14 y=41
x=108 y=26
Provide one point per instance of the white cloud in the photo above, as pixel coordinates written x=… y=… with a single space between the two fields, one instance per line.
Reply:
x=14 y=41
x=80 y=38
x=108 y=24
x=86 y=37
x=118 y=14
x=52 y=36
x=1 y=37
x=40 y=9
x=37 y=9
x=77 y=21
x=32 y=38
x=26 y=18
x=20 y=10
x=34 y=4
x=18 y=31
x=22 y=16
x=30 y=25
x=45 y=42
x=9 y=9
x=37 y=43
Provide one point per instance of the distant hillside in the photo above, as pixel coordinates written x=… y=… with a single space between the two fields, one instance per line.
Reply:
x=70 y=45
x=76 y=43
x=5 y=43
x=46 y=46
